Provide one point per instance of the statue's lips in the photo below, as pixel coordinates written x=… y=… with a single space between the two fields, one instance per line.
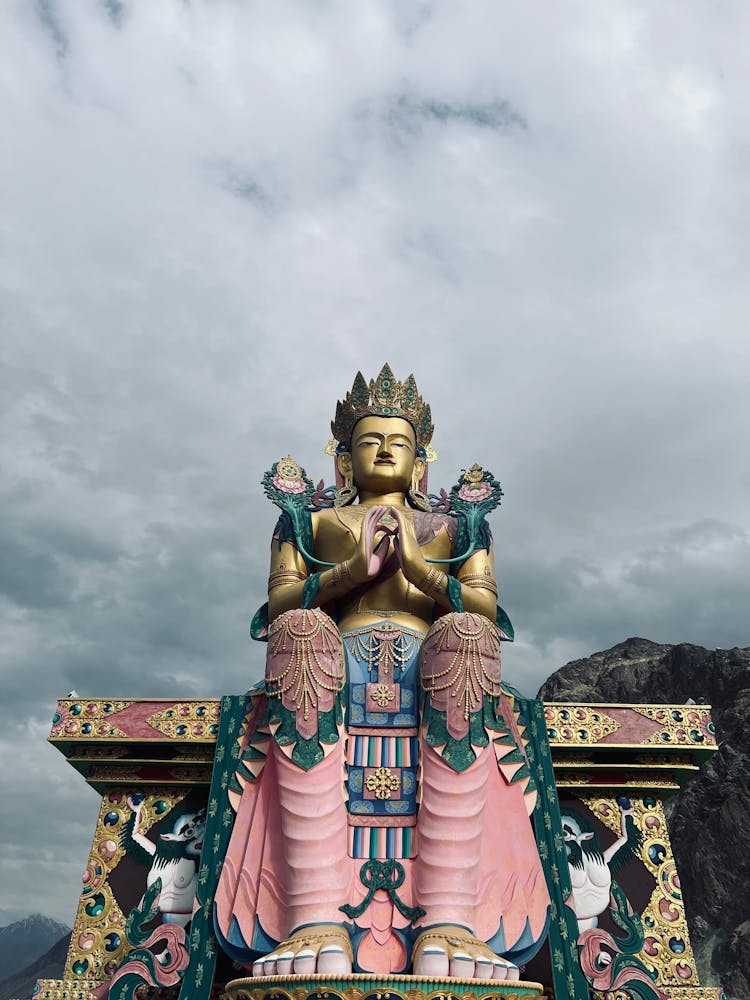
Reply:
x=385 y=461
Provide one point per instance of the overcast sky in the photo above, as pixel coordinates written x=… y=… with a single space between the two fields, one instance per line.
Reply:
x=213 y=214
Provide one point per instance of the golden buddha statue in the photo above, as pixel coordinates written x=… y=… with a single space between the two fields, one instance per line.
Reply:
x=382 y=795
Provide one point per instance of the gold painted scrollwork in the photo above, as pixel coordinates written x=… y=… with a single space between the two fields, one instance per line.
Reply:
x=188 y=720
x=577 y=725
x=680 y=725
x=666 y=947
x=97 y=942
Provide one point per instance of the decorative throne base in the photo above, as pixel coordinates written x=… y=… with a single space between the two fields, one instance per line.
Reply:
x=606 y=767
x=367 y=987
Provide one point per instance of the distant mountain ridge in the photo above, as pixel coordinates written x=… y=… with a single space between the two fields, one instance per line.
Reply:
x=20 y=985
x=709 y=819
x=24 y=941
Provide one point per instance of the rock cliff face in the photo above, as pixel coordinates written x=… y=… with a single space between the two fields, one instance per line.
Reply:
x=710 y=817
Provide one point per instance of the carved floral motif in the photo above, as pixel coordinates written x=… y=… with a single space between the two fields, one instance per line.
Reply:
x=382 y=782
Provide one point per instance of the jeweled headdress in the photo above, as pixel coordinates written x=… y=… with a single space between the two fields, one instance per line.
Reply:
x=383 y=397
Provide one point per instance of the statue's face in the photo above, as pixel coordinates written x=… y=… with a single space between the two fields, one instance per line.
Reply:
x=383 y=454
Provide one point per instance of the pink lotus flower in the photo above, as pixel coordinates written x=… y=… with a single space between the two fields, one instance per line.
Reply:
x=288 y=485
x=474 y=492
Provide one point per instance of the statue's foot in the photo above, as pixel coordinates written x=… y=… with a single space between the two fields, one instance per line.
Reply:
x=322 y=948
x=448 y=951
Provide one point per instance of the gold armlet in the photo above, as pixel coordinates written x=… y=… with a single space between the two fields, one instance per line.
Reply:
x=284 y=576
x=479 y=580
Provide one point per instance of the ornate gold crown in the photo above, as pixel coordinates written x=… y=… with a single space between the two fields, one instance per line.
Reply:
x=383 y=397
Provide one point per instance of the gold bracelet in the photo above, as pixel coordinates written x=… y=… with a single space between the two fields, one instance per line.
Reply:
x=431 y=581
x=339 y=571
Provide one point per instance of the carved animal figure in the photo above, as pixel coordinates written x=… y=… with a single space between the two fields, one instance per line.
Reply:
x=591 y=869
x=173 y=858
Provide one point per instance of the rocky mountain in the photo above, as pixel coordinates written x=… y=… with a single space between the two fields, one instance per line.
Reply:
x=20 y=985
x=25 y=940
x=710 y=816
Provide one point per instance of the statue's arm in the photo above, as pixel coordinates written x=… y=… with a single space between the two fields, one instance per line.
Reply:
x=478 y=587
x=289 y=574
x=478 y=583
x=286 y=578
x=476 y=577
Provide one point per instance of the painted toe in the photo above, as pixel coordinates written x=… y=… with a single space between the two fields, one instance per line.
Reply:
x=462 y=965
x=499 y=969
x=432 y=962
x=304 y=962
x=482 y=967
x=284 y=963
x=514 y=973
x=333 y=960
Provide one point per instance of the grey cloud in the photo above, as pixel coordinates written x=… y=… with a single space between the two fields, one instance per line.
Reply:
x=407 y=115
x=49 y=17
x=116 y=10
x=246 y=188
x=31 y=576
x=695 y=584
x=72 y=540
x=49 y=831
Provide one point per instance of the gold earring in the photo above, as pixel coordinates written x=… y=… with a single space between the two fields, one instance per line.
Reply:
x=416 y=498
x=348 y=492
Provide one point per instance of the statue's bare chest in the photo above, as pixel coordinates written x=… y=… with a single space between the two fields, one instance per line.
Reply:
x=337 y=532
